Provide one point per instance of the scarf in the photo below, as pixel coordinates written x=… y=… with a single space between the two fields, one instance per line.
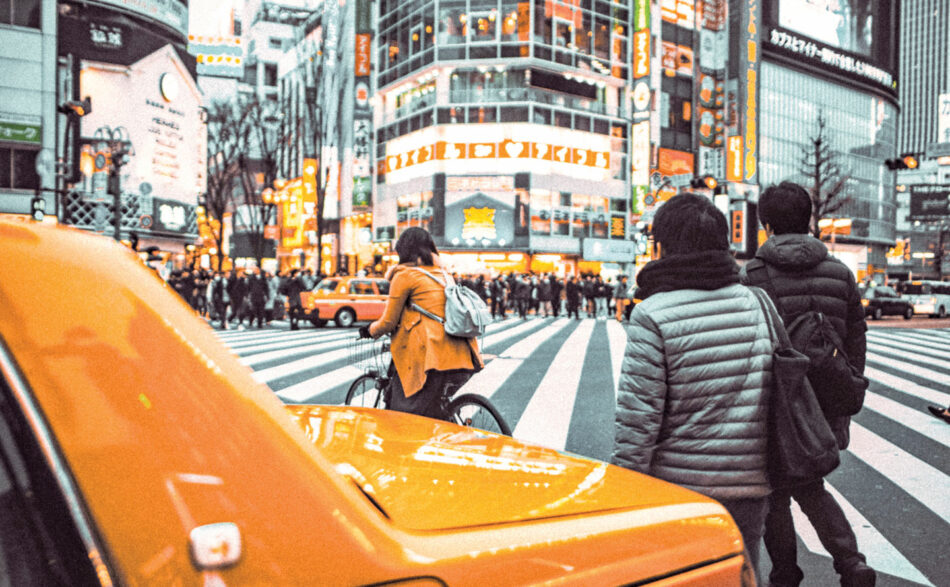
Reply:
x=708 y=270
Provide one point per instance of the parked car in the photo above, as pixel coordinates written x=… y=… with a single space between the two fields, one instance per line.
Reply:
x=136 y=449
x=883 y=300
x=345 y=300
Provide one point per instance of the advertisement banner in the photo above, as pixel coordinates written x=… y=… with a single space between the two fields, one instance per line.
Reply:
x=479 y=220
x=18 y=130
x=750 y=19
x=362 y=114
x=172 y=216
x=217 y=56
x=609 y=250
x=673 y=162
x=929 y=202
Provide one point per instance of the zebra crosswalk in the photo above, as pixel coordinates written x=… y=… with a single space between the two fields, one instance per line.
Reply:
x=554 y=380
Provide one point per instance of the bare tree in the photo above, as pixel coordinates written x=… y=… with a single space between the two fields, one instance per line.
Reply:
x=227 y=142
x=826 y=182
x=258 y=168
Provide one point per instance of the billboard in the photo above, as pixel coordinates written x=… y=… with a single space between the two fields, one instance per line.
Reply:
x=857 y=38
x=842 y=24
x=929 y=202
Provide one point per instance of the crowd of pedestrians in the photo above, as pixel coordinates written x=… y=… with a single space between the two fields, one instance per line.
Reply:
x=234 y=297
x=546 y=295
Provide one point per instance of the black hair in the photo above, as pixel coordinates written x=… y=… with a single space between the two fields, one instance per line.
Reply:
x=414 y=244
x=689 y=223
x=786 y=208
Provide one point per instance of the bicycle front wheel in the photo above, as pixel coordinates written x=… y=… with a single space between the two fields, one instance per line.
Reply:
x=470 y=409
x=366 y=392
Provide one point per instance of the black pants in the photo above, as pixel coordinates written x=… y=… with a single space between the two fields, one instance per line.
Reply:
x=498 y=307
x=427 y=401
x=294 y=315
x=572 y=309
x=259 y=313
x=523 y=308
x=825 y=516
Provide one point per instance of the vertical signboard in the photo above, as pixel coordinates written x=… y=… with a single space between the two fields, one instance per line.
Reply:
x=642 y=99
x=362 y=117
x=750 y=21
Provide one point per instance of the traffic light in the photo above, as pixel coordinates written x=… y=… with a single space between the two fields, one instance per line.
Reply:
x=706 y=181
x=905 y=161
x=38 y=208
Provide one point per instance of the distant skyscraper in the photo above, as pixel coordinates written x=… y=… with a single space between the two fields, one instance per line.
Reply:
x=924 y=71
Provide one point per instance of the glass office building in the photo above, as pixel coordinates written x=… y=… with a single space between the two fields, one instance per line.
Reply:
x=502 y=127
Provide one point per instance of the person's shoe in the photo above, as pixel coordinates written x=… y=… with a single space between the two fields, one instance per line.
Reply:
x=942 y=413
x=860 y=575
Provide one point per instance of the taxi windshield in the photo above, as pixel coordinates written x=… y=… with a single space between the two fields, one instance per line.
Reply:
x=327 y=285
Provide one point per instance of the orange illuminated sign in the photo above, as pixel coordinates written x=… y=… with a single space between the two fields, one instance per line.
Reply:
x=479 y=224
x=507 y=149
x=363 y=52
x=734 y=158
x=641 y=53
x=673 y=162
x=738 y=226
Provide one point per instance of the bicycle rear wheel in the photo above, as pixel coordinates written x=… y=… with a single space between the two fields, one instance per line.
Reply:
x=470 y=409
x=367 y=392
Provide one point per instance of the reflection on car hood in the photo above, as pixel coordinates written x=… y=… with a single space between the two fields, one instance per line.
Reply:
x=429 y=475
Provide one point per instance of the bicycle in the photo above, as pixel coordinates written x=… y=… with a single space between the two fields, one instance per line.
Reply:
x=371 y=390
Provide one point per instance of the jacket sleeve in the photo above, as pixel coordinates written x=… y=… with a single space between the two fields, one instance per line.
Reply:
x=641 y=395
x=399 y=291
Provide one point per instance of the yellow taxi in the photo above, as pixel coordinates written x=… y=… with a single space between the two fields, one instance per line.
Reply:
x=345 y=300
x=136 y=449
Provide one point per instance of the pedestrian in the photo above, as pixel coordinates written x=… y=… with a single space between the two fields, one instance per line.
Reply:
x=804 y=277
x=292 y=288
x=544 y=296
x=692 y=400
x=572 y=297
x=556 y=288
x=498 y=297
x=257 y=298
x=270 y=303
x=601 y=293
x=589 y=289
x=620 y=297
x=220 y=299
x=522 y=295
x=427 y=362
x=237 y=291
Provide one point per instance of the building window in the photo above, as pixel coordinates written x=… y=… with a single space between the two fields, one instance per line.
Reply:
x=270 y=74
x=18 y=169
x=275 y=43
x=20 y=12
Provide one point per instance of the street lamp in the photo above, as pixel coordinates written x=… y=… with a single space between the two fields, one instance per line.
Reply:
x=120 y=149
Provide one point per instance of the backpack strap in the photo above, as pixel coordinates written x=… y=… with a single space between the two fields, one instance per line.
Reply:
x=420 y=309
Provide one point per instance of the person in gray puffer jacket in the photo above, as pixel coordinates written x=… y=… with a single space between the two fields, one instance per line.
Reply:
x=796 y=269
x=692 y=400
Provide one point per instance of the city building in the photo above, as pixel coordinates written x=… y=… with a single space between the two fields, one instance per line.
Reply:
x=502 y=127
x=134 y=165
x=28 y=103
x=835 y=62
x=923 y=216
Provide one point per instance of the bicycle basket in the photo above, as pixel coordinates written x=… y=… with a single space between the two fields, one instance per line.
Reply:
x=370 y=356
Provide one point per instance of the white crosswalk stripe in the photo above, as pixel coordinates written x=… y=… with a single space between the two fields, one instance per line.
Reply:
x=908 y=369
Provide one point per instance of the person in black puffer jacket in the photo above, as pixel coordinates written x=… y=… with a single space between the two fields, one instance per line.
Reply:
x=805 y=277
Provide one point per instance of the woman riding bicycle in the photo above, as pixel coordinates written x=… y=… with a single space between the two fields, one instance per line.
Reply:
x=427 y=360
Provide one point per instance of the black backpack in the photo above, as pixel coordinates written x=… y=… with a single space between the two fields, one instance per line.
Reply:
x=839 y=385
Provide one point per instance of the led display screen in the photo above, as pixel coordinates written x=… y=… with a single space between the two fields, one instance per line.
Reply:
x=843 y=24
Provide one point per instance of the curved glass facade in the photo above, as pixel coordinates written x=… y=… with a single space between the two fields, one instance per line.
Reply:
x=862 y=130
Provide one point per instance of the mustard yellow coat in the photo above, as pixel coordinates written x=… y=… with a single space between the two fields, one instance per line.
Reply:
x=419 y=343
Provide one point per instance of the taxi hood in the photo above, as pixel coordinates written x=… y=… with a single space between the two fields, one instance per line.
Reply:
x=425 y=474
